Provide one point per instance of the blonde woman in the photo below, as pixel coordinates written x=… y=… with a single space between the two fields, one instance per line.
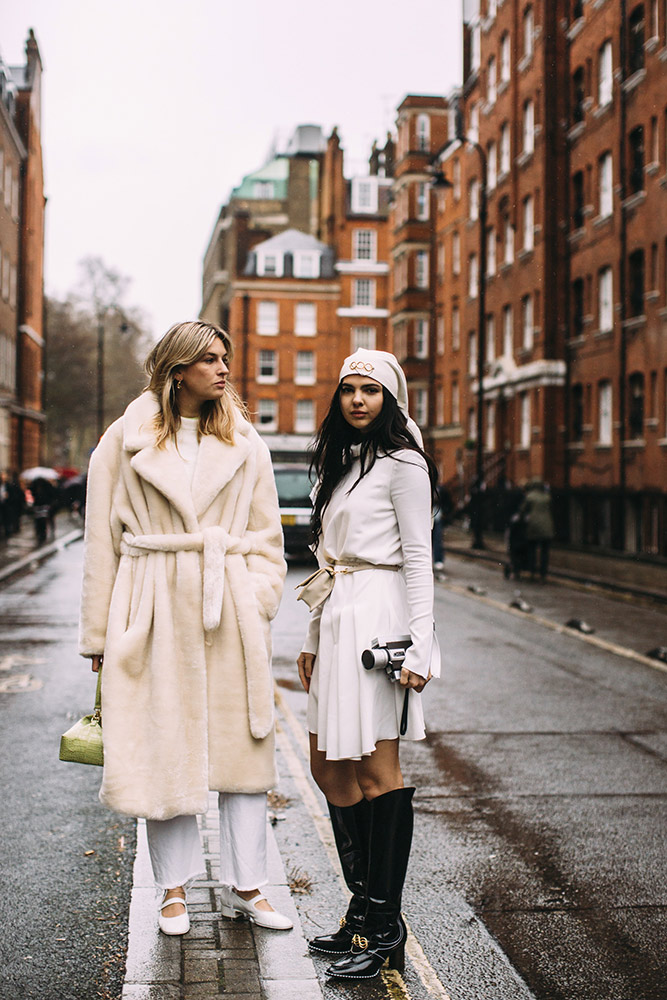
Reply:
x=183 y=573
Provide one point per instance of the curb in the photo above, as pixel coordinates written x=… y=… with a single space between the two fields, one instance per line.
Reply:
x=218 y=957
x=39 y=555
x=566 y=576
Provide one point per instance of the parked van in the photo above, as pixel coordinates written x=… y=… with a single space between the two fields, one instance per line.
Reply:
x=294 y=485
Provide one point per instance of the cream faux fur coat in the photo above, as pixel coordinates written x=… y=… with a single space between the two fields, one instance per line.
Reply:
x=180 y=585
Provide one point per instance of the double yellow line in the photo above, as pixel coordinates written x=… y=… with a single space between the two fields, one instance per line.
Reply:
x=290 y=734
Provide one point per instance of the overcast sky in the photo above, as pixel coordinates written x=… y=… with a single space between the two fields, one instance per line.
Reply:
x=153 y=111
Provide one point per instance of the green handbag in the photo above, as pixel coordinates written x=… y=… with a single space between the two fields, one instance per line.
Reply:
x=82 y=744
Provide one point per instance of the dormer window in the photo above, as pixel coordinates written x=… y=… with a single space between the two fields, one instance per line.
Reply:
x=263 y=189
x=365 y=195
x=306 y=264
x=269 y=265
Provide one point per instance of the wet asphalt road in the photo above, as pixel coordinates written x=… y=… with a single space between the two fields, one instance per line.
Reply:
x=66 y=861
x=538 y=867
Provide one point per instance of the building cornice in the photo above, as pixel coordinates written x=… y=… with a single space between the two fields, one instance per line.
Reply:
x=286 y=286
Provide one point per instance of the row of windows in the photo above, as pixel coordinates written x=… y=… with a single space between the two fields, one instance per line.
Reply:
x=305 y=318
x=582 y=82
x=527 y=45
x=589 y=403
x=304 y=416
x=9 y=186
x=305 y=264
x=638 y=277
x=304 y=372
x=8 y=276
x=7 y=361
x=411 y=270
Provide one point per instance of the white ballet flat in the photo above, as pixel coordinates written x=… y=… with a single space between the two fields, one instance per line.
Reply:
x=234 y=905
x=173 y=925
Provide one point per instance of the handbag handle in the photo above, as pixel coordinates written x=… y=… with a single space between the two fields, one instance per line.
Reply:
x=97 y=713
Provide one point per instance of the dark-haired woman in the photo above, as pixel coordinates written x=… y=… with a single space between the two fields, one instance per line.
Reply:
x=183 y=572
x=372 y=524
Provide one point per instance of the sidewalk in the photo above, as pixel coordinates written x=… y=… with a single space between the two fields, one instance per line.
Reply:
x=219 y=959
x=21 y=550
x=617 y=573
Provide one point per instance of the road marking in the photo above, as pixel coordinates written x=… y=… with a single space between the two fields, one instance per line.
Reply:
x=19 y=683
x=17 y=660
x=392 y=979
x=593 y=640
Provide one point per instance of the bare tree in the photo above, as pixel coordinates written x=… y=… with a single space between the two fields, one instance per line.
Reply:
x=95 y=350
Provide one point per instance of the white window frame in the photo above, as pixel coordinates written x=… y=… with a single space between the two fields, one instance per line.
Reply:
x=529 y=223
x=304 y=424
x=456 y=328
x=473 y=123
x=456 y=180
x=528 y=32
x=363 y=336
x=475 y=48
x=505 y=149
x=527 y=322
x=364 y=244
x=421 y=338
x=456 y=254
x=275 y=271
x=490 y=338
x=305 y=368
x=524 y=420
x=473 y=276
x=306 y=264
x=491 y=252
x=605 y=402
x=423 y=193
x=440 y=335
x=267 y=415
x=456 y=404
x=364 y=292
x=606 y=182
x=492 y=165
x=492 y=81
x=505 y=58
x=605 y=300
x=305 y=319
x=420 y=411
x=268 y=319
x=508 y=331
x=423 y=132
x=605 y=73
x=267 y=366
x=421 y=269
x=509 y=241
x=473 y=200
x=472 y=352
x=490 y=426
x=365 y=195
x=528 y=127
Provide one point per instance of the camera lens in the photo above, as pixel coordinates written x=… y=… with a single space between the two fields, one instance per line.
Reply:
x=375 y=658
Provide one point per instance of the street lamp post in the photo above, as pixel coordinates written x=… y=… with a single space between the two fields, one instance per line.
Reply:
x=440 y=181
x=100 y=375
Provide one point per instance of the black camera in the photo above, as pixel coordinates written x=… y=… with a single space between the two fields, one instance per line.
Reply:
x=387 y=655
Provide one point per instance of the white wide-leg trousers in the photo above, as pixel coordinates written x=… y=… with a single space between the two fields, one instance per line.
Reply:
x=176 y=853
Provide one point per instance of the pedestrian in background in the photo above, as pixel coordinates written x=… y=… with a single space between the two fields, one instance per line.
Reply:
x=538 y=527
x=372 y=524
x=183 y=573
x=442 y=517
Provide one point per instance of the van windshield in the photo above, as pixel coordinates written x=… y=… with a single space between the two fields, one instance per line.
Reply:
x=293 y=486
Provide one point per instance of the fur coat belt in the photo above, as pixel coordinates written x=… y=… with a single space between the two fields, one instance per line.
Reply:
x=215 y=543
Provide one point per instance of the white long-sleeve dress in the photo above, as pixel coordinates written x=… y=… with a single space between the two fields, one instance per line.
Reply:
x=385 y=520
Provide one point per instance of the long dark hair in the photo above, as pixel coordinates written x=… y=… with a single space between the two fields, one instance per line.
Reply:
x=333 y=455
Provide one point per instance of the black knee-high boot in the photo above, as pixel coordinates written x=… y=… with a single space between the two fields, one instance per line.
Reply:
x=384 y=930
x=351 y=831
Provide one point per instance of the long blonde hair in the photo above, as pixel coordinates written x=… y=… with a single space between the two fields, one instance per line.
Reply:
x=182 y=345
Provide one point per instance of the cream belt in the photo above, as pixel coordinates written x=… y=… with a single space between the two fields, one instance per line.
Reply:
x=215 y=544
x=316 y=588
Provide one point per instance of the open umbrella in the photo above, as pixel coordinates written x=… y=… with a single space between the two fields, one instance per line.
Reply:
x=39 y=472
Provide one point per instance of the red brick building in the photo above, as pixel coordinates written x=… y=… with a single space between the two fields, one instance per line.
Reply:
x=298 y=299
x=22 y=207
x=617 y=236
x=550 y=246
